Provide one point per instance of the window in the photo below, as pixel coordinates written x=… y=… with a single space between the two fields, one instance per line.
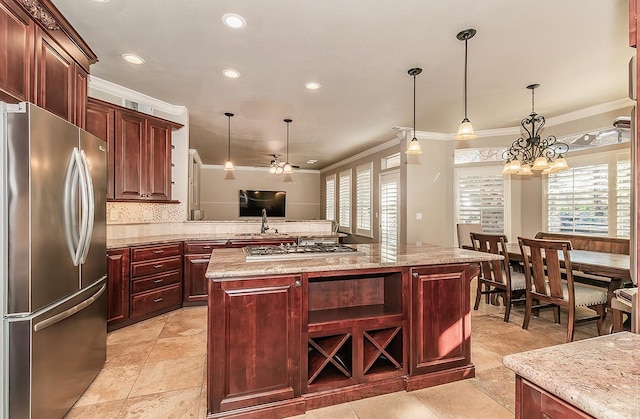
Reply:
x=578 y=200
x=623 y=195
x=389 y=210
x=480 y=198
x=344 y=203
x=390 y=162
x=593 y=197
x=363 y=199
x=330 y=197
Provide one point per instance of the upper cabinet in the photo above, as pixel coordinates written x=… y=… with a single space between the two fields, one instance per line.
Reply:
x=138 y=151
x=42 y=59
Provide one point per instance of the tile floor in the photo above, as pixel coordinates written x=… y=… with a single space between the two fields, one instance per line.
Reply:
x=156 y=369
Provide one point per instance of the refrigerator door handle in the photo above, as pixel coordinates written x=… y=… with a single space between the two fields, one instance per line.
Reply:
x=75 y=179
x=88 y=185
x=69 y=202
x=70 y=312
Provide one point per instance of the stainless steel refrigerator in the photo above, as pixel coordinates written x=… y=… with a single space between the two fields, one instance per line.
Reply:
x=53 y=261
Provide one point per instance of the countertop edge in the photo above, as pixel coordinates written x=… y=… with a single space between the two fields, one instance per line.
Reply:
x=555 y=381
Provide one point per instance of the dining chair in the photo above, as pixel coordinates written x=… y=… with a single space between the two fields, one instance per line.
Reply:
x=546 y=287
x=496 y=276
x=463 y=230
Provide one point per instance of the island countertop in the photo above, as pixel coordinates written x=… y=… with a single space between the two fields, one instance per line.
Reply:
x=231 y=263
x=600 y=376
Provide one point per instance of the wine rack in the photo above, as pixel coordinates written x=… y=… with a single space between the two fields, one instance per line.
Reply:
x=330 y=359
x=382 y=350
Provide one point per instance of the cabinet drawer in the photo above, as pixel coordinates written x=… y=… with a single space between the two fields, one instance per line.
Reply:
x=155 y=266
x=203 y=247
x=155 y=252
x=156 y=281
x=151 y=301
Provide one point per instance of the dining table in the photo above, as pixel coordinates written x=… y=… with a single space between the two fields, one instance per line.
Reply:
x=608 y=270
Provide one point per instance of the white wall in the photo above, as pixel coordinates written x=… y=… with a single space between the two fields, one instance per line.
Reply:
x=219 y=196
x=429 y=194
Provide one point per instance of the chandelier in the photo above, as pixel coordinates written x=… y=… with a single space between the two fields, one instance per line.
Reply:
x=533 y=153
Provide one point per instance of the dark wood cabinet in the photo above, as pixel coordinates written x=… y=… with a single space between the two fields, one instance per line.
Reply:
x=534 y=402
x=117 y=286
x=441 y=330
x=196 y=260
x=138 y=151
x=254 y=347
x=156 y=279
x=42 y=59
x=100 y=121
x=16 y=53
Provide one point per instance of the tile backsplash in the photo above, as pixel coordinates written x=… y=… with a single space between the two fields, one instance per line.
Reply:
x=143 y=212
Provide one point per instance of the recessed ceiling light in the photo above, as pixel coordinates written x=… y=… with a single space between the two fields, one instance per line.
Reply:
x=231 y=73
x=234 y=21
x=312 y=161
x=312 y=85
x=133 y=59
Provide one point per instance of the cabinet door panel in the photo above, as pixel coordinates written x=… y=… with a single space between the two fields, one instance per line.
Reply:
x=195 y=282
x=441 y=319
x=129 y=147
x=117 y=284
x=80 y=96
x=159 y=161
x=254 y=353
x=100 y=122
x=54 y=78
x=16 y=52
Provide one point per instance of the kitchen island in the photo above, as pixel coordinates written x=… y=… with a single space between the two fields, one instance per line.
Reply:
x=595 y=377
x=287 y=336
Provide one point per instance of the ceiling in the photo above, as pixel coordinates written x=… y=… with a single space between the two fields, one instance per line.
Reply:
x=359 y=51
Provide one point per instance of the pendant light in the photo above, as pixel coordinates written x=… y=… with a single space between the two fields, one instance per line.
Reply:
x=287 y=167
x=414 y=144
x=465 y=132
x=228 y=166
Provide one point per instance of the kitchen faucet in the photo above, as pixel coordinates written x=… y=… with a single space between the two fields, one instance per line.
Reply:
x=265 y=226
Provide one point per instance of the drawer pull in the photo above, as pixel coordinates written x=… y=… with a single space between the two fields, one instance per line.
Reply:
x=158 y=266
x=157 y=281
x=206 y=247
x=157 y=300
x=157 y=252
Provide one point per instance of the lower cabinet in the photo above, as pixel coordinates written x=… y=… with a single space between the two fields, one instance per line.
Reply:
x=441 y=329
x=156 y=279
x=117 y=286
x=196 y=261
x=254 y=347
x=534 y=402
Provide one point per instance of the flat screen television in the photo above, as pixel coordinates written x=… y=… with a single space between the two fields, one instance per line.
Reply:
x=252 y=202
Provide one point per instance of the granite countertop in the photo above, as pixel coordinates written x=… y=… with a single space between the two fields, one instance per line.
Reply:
x=169 y=238
x=600 y=376
x=231 y=263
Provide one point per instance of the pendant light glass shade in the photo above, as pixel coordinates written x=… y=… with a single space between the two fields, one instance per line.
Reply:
x=228 y=166
x=465 y=131
x=414 y=145
x=287 y=167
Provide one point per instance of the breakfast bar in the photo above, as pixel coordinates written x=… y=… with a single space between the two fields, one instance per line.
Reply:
x=308 y=332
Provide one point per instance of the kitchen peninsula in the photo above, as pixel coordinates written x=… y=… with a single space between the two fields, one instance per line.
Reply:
x=287 y=336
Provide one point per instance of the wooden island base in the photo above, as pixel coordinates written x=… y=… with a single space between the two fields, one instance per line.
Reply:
x=305 y=338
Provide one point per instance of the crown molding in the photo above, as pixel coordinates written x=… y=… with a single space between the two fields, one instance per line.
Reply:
x=255 y=169
x=124 y=92
x=511 y=131
x=393 y=142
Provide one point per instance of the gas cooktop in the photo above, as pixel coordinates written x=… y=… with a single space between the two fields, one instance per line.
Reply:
x=293 y=251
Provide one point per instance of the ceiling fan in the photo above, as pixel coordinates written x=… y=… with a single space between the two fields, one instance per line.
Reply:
x=276 y=166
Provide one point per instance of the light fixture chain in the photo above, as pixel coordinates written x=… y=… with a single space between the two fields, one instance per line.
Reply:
x=414 y=106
